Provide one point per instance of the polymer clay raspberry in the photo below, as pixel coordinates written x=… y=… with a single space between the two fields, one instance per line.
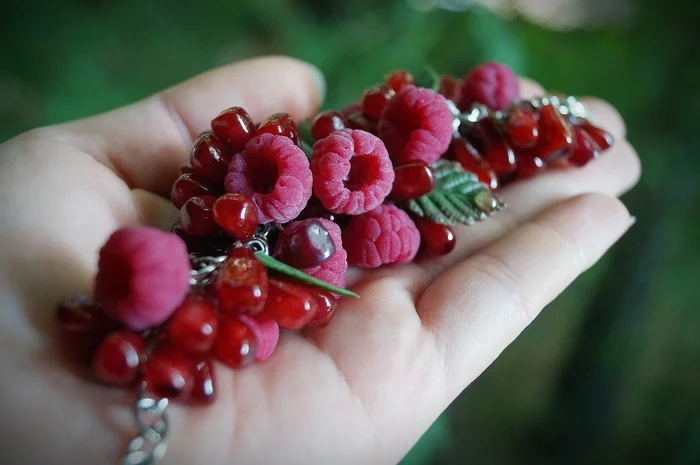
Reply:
x=493 y=84
x=380 y=237
x=352 y=172
x=274 y=173
x=416 y=124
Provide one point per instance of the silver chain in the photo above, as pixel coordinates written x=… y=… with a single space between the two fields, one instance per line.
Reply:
x=149 y=447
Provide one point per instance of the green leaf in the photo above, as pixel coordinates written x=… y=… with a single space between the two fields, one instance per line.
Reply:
x=283 y=268
x=429 y=78
x=458 y=197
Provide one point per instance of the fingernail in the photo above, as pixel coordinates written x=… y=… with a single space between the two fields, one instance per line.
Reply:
x=320 y=81
x=633 y=220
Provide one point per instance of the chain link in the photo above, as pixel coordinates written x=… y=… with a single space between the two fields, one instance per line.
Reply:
x=149 y=447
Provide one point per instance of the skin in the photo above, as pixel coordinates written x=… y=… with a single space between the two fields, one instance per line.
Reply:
x=362 y=390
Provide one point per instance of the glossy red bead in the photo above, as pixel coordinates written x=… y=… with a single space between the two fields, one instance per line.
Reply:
x=237 y=215
x=235 y=344
x=234 y=127
x=184 y=169
x=585 y=148
x=80 y=315
x=197 y=218
x=169 y=373
x=118 y=358
x=437 y=238
x=555 y=139
x=193 y=326
x=603 y=139
x=522 y=128
x=204 y=384
x=187 y=186
x=210 y=158
x=529 y=166
x=397 y=80
x=326 y=309
x=374 y=101
x=468 y=156
x=360 y=121
x=242 y=284
x=450 y=87
x=290 y=304
x=309 y=245
x=280 y=124
x=327 y=122
x=493 y=146
x=412 y=180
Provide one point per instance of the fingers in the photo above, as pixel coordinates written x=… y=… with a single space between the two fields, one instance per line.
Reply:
x=145 y=143
x=478 y=307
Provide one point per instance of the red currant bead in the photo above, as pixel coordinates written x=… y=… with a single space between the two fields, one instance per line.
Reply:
x=185 y=169
x=290 y=304
x=308 y=246
x=522 y=129
x=235 y=345
x=412 y=180
x=242 y=284
x=234 y=127
x=196 y=216
x=450 y=87
x=374 y=101
x=493 y=146
x=280 y=124
x=237 y=215
x=326 y=309
x=327 y=122
x=529 y=166
x=603 y=139
x=80 y=315
x=398 y=79
x=210 y=158
x=585 y=150
x=188 y=186
x=169 y=373
x=192 y=328
x=468 y=156
x=555 y=139
x=204 y=387
x=360 y=121
x=117 y=359
x=437 y=238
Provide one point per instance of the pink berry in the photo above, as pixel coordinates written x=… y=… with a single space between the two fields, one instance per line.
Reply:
x=352 y=172
x=384 y=235
x=267 y=335
x=274 y=173
x=416 y=125
x=493 y=84
x=143 y=275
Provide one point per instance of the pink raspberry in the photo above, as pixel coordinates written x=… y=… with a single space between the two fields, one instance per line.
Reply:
x=493 y=84
x=274 y=173
x=143 y=275
x=416 y=124
x=352 y=172
x=384 y=235
x=267 y=335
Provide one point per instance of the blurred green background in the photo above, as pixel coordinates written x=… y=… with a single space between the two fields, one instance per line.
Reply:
x=610 y=373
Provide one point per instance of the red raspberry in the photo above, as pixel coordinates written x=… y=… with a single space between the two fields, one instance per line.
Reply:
x=144 y=274
x=332 y=270
x=416 y=125
x=493 y=84
x=352 y=172
x=274 y=173
x=384 y=235
x=267 y=335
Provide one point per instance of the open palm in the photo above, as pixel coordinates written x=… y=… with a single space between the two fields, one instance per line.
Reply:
x=362 y=390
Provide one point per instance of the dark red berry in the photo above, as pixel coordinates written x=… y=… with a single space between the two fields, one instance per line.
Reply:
x=398 y=79
x=308 y=246
x=235 y=344
x=80 y=315
x=169 y=373
x=529 y=166
x=196 y=216
x=210 y=158
x=218 y=244
x=585 y=150
x=374 y=101
x=326 y=123
x=315 y=209
x=192 y=328
x=117 y=359
x=437 y=238
x=603 y=139
x=234 y=127
x=493 y=146
x=242 y=284
x=522 y=129
x=237 y=215
x=187 y=186
x=184 y=169
x=412 y=180
x=360 y=121
x=450 y=87
x=204 y=388
x=555 y=139
x=326 y=309
x=468 y=156
x=280 y=124
x=290 y=304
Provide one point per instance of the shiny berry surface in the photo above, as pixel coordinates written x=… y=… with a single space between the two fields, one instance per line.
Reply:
x=196 y=217
x=118 y=357
x=308 y=245
x=80 y=315
x=234 y=127
x=603 y=139
x=585 y=149
x=555 y=139
x=204 y=383
x=237 y=215
x=437 y=238
x=326 y=309
x=193 y=326
x=290 y=304
x=326 y=123
x=184 y=169
x=169 y=373
x=397 y=80
x=450 y=87
x=187 y=186
x=280 y=124
x=360 y=121
x=493 y=146
x=522 y=128
x=529 y=166
x=412 y=180
x=468 y=156
x=210 y=158
x=235 y=345
x=374 y=101
x=242 y=284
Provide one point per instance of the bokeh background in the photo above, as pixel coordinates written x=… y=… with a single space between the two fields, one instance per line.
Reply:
x=610 y=373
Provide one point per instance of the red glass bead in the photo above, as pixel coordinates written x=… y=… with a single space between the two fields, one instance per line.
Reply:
x=555 y=140
x=603 y=139
x=326 y=309
x=204 y=386
x=437 y=238
x=169 y=373
x=529 y=166
x=237 y=215
x=242 y=284
x=326 y=123
x=184 y=169
x=308 y=246
x=210 y=158
x=398 y=79
x=188 y=186
x=117 y=359
x=193 y=326
x=290 y=304
x=80 y=315
x=522 y=128
x=585 y=150
x=493 y=146
x=468 y=156
x=235 y=344
x=412 y=180
x=280 y=124
x=360 y=121
x=234 y=127
x=374 y=101
x=450 y=87
x=196 y=216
